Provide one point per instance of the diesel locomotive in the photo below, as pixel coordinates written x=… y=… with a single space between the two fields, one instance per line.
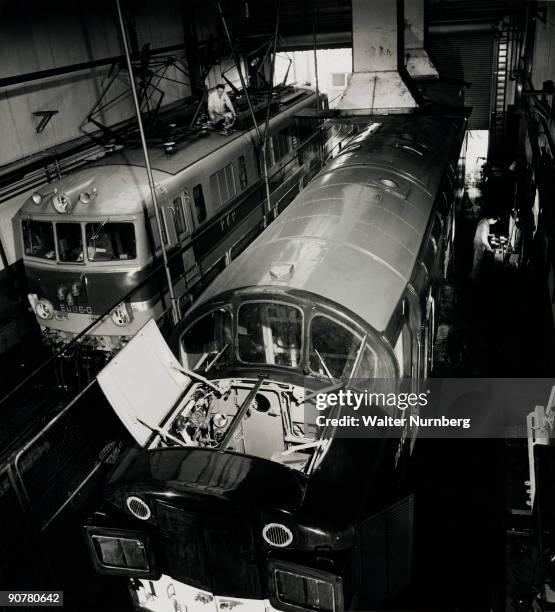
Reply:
x=233 y=495
x=88 y=239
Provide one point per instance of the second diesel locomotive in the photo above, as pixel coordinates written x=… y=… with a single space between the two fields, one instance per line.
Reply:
x=234 y=495
x=88 y=239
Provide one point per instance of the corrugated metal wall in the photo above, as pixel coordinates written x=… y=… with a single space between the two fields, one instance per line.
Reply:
x=544 y=47
x=42 y=35
x=467 y=56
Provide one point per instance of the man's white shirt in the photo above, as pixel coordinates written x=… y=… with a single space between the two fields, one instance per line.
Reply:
x=219 y=105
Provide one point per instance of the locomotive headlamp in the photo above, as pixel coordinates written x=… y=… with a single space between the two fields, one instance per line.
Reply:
x=86 y=196
x=61 y=203
x=38 y=198
x=122 y=315
x=294 y=586
x=61 y=293
x=44 y=309
x=121 y=552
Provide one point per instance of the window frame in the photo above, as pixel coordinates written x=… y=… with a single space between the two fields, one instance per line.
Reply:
x=216 y=179
x=200 y=203
x=227 y=307
x=54 y=260
x=405 y=341
x=135 y=235
x=81 y=225
x=179 y=210
x=243 y=174
x=264 y=363
x=347 y=326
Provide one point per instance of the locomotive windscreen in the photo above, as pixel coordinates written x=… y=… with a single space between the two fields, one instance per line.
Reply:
x=274 y=333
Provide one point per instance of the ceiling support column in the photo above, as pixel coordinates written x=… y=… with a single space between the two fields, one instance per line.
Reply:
x=377 y=85
x=417 y=61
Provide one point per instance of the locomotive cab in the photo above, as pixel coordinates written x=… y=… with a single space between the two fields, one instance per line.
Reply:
x=235 y=470
x=80 y=253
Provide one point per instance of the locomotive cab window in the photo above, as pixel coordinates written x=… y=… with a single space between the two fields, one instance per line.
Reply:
x=206 y=343
x=269 y=332
x=70 y=242
x=38 y=239
x=111 y=241
x=335 y=351
x=200 y=204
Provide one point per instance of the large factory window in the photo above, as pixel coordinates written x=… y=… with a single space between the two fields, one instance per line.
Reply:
x=200 y=205
x=206 y=343
x=38 y=238
x=110 y=241
x=270 y=333
x=334 y=350
x=70 y=242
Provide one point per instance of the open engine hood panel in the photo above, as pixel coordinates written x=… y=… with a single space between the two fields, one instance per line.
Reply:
x=143 y=382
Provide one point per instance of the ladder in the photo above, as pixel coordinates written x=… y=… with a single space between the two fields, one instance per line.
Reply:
x=498 y=117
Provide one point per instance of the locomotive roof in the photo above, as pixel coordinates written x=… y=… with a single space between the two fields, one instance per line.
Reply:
x=121 y=191
x=189 y=152
x=186 y=153
x=348 y=236
x=121 y=178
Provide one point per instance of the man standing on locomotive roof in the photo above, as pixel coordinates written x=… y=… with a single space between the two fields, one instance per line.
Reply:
x=220 y=107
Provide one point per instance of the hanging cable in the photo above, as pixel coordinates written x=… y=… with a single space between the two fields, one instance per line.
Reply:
x=268 y=107
x=262 y=141
x=315 y=54
x=152 y=185
x=239 y=70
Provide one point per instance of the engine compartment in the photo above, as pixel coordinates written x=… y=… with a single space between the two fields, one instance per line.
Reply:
x=272 y=426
